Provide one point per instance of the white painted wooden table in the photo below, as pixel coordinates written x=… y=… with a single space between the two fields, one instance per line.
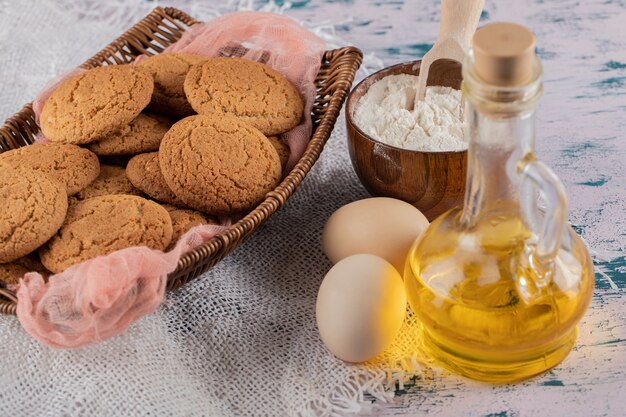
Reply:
x=581 y=134
x=581 y=125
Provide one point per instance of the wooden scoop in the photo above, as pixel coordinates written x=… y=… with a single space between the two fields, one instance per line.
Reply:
x=459 y=19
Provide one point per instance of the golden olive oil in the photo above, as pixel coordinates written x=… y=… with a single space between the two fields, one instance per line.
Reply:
x=466 y=287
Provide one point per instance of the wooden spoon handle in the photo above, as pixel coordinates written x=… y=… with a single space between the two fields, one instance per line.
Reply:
x=457 y=25
x=459 y=19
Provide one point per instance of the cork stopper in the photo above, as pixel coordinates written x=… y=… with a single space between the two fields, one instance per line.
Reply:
x=504 y=54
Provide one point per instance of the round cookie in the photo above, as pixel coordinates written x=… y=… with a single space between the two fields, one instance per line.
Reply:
x=169 y=72
x=218 y=165
x=184 y=219
x=95 y=103
x=112 y=180
x=281 y=148
x=251 y=91
x=11 y=273
x=102 y=225
x=71 y=165
x=32 y=208
x=144 y=172
x=143 y=134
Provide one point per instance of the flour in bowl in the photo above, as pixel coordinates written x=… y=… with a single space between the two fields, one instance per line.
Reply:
x=433 y=125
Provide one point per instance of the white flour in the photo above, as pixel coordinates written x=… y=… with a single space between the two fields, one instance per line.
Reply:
x=434 y=125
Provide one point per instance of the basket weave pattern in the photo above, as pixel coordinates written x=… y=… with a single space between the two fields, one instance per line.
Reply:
x=158 y=30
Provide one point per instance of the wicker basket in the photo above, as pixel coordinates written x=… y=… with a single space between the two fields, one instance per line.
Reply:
x=154 y=33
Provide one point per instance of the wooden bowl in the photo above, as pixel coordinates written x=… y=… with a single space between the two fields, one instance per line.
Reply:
x=434 y=182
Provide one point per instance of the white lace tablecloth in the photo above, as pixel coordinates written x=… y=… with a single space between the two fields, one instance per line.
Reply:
x=241 y=340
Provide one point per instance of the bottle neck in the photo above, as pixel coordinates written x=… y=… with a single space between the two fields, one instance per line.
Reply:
x=501 y=123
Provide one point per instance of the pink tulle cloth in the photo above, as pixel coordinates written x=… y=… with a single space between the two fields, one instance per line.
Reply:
x=99 y=298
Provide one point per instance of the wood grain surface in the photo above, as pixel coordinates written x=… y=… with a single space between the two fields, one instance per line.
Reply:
x=434 y=182
x=580 y=134
x=580 y=124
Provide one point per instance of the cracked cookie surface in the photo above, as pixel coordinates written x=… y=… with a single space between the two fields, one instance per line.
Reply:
x=143 y=134
x=169 y=72
x=71 y=165
x=96 y=103
x=144 y=172
x=281 y=148
x=102 y=225
x=32 y=208
x=251 y=91
x=111 y=181
x=220 y=165
x=184 y=219
x=12 y=272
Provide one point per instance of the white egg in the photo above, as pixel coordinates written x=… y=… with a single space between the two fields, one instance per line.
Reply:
x=380 y=226
x=360 y=307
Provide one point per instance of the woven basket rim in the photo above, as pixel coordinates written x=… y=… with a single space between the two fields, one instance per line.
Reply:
x=201 y=258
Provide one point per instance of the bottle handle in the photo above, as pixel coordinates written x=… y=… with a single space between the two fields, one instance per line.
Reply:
x=546 y=230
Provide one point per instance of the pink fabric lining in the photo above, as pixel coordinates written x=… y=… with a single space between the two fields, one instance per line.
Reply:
x=101 y=297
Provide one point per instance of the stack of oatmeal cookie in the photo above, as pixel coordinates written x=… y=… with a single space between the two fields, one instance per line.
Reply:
x=138 y=155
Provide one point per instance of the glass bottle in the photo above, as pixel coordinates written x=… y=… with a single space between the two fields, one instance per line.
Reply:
x=500 y=284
